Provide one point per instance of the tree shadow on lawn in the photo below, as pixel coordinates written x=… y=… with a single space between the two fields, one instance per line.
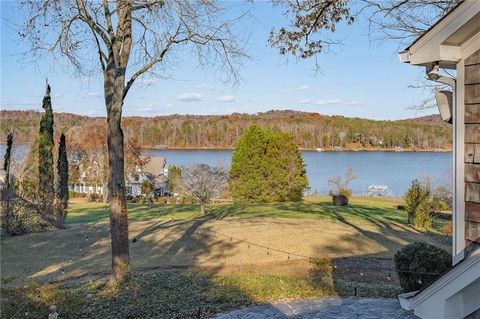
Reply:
x=158 y=288
x=85 y=250
x=84 y=253
x=381 y=216
x=94 y=212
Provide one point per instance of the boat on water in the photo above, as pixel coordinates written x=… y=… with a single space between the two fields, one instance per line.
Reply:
x=319 y=149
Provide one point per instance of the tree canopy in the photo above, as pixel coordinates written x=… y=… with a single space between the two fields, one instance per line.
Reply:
x=267 y=166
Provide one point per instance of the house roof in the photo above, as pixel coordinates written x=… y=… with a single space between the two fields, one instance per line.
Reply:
x=454 y=36
x=434 y=25
x=155 y=166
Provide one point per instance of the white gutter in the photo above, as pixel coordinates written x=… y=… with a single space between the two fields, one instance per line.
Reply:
x=404 y=56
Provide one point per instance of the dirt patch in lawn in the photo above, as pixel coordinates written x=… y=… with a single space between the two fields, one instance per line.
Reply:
x=223 y=245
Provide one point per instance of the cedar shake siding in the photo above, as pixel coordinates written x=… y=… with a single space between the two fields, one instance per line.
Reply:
x=472 y=152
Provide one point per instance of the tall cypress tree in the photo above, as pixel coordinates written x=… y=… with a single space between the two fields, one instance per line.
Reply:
x=45 y=148
x=7 y=158
x=62 y=175
x=6 y=191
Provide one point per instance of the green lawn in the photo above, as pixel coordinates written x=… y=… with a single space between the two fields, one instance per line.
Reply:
x=240 y=275
x=371 y=209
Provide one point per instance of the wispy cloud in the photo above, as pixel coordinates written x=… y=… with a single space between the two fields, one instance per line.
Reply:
x=329 y=101
x=305 y=101
x=93 y=95
x=298 y=89
x=355 y=103
x=226 y=98
x=189 y=97
x=205 y=86
x=338 y=102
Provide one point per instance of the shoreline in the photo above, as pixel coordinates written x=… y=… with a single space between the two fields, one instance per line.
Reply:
x=302 y=149
x=390 y=150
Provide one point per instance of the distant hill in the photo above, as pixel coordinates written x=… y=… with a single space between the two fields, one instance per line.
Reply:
x=311 y=130
x=433 y=119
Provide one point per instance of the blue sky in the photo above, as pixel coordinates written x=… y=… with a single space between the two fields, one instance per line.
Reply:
x=361 y=78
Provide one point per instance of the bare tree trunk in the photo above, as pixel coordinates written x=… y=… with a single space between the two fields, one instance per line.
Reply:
x=116 y=181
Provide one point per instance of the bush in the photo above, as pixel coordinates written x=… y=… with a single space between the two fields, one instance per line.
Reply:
x=339 y=200
x=447 y=228
x=72 y=194
x=160 y=200
x=416 y=195
x=341 y=192
x=93 y=197
x=418 y=264
x=139 y=199
x=423 y=215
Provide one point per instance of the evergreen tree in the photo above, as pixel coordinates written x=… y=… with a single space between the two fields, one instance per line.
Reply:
x=267 y=166
x=7 y=158
x=174 y=179
x=45 y=148
x=6 y=190
x=62 y=175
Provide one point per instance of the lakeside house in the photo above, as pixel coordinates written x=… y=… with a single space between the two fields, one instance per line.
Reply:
x=454 y=43
x=155 y=171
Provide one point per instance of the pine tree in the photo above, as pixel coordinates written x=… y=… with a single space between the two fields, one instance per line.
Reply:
x=45 y=148
x=62 y=176
x=267 y=166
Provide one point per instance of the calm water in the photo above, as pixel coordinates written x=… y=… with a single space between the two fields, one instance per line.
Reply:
x=394 y=169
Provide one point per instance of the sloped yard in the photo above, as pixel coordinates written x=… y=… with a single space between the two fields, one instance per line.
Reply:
x=250 y=253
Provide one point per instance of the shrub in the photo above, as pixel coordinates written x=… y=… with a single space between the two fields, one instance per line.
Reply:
x=139 y=199
x=72 y=194
x=423 y=215
x=416 y=194
x=93 y=197
x=160 y=200
x=341 y=184
x=447 y=228
x=418 y=264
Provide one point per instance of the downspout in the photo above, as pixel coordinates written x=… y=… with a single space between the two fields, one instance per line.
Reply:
x=433 y=75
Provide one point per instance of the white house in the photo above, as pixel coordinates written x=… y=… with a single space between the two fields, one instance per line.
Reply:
x=453 y=43
x=155 y=171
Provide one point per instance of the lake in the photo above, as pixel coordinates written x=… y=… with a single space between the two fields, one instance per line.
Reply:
x=394 y=169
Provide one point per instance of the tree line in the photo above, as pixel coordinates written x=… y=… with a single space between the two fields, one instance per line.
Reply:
x=310 y=130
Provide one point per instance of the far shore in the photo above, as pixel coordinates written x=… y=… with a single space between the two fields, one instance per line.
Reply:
x=301 y=149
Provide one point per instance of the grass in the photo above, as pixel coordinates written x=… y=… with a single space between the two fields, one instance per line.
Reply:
x=380 y=209
x=177 y=294
x=222 y=274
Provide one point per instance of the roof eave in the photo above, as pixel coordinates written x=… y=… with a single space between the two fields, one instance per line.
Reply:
x=432 y=46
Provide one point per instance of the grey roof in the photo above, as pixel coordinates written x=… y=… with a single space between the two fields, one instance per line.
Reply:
x=155 y=166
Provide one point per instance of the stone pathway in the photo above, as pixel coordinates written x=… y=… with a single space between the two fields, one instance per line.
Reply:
x=326 y=308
